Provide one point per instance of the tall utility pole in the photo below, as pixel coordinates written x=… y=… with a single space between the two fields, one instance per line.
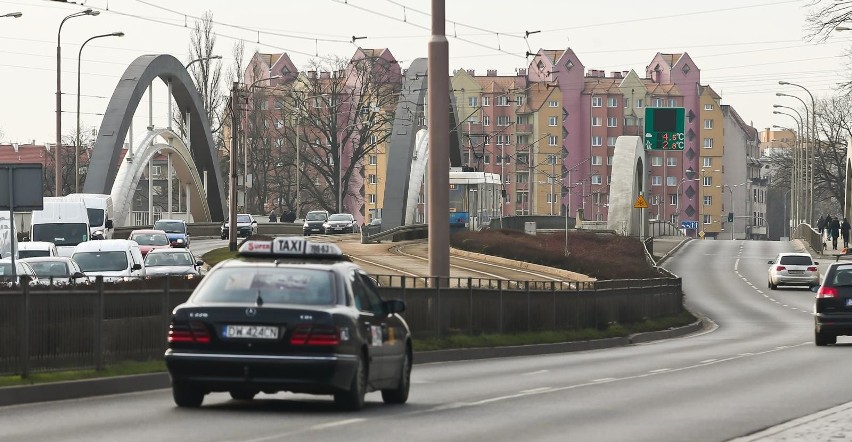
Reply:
x=232 y=186
x=439 y=142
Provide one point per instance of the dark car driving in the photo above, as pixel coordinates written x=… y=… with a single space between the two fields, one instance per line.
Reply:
x=833 y=304
x=289 y=315
x=315 y=221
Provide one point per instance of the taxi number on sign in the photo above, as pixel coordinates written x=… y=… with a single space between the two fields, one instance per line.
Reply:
x=250 y=331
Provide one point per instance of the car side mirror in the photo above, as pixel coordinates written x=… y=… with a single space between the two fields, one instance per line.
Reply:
x=815 y=288
x=109 y=224
x=199 y=263
x=394 y=306
x=816 y=263
x=136 y=266
x=78 y=275
x=771 y=262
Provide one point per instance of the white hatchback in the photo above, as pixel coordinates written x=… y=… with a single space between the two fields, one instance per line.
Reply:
x=793 y=269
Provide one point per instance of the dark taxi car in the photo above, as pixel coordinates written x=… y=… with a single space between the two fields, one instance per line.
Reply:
x=833 y=304
x=289 y=315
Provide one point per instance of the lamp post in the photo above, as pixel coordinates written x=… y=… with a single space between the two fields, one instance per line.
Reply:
x=212 y=57
x=797 y=182
x=77 y=147
x=733 y=206
x=57 y=156
x=809 y=161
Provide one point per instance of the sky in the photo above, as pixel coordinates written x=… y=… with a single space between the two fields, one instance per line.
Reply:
x=743 y=47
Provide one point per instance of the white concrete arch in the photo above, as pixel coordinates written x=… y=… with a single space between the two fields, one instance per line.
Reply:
x=131 y=170
x=629 y=168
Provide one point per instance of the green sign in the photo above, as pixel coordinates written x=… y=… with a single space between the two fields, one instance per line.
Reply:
x=664 y=128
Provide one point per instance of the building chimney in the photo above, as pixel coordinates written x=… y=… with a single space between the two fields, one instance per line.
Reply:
x=325 y=75
x=616 y=74
x=312 y=75
x=492 y=72
x=471 y=72
x=522 y=72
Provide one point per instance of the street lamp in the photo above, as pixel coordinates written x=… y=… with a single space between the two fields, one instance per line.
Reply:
x=809 y=163
x=57 y=157
x=733 y=205
x=796 y=181
x=212 y=57
x=12 y=15
x=77 y=147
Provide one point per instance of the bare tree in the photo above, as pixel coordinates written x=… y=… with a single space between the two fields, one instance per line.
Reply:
x=826 y=15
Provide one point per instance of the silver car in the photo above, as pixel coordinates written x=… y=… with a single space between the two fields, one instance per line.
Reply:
x=793 y=269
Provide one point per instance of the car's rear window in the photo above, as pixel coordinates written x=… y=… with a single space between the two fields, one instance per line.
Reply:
x=796 y=260
x=278 y=285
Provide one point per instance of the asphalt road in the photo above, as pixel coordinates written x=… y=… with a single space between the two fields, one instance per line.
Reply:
x=759 y=368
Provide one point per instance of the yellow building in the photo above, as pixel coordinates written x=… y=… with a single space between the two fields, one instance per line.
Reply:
x=712 y=216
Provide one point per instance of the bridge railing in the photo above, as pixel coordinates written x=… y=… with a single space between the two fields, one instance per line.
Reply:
x=810 y=236
x=81 y=327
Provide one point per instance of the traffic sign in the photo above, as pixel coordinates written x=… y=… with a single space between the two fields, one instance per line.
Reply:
x=664 y=128
x=689 y=225
x=640 y=203
x=701 y=234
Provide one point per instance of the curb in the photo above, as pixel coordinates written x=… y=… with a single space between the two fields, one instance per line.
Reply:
x=672 y=251
x=26 y=394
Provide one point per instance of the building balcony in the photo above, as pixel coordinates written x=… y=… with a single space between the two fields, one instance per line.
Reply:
x=523 y=128
x=632 y=130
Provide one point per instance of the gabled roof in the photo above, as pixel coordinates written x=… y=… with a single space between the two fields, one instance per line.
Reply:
x=750 y=131
x=671 y=59
x=708 y=90
x=496 y=84
x=552 y=54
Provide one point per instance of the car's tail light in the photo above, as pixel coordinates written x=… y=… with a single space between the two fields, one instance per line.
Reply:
x=812 y=269
x=827 y=292
x=315 y=335
x=189 y=332
x=779 y=268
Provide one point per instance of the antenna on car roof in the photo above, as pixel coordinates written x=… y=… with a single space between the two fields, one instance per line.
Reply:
x=259 y=300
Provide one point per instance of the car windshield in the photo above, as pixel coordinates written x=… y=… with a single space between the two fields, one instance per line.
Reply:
x=315 y=216
x=96 y=217
x=340 y=217
x=281 y=285
x=243 y=219
x=150 y=239
x=46 y=269
x=101 y=261
x=169 y=259
x=796 y=260
x=61 y=234
x=32 y=253
x=170 y=226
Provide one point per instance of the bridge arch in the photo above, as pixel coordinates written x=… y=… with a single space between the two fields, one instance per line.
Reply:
x=118 y=117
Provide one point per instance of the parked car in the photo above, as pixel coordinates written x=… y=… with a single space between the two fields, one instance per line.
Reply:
x=298 y=315
x=314 y=222
x=793 y=269
x=56 y=270
x=341 y=223
x=149 y=239
x=29 y=249
x=176 y=230
x=246 y=226
x=833 y=304
x=174 y=262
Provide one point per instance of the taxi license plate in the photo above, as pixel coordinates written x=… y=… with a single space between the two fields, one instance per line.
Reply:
x=250 y=332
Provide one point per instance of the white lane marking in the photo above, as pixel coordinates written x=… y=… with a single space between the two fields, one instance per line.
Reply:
x=536 y=390
x=707 y=361
x=660 y=370
x=535 y=372
x=746 y=354
x=603 y=380
x=337 y=424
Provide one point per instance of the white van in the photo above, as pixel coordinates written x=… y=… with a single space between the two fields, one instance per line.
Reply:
x=62 y=221
x=114 y=259
x=99 y=209
x=7 y=241
x=33 y=249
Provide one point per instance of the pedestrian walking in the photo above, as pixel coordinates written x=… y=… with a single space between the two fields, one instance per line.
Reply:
x=821 y=225
x=272 y=217
x=834 y=231
x=826 y=224
x=844 y=232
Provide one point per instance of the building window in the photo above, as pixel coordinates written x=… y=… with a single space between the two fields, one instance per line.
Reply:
x=264 y=105
x=519 y=100
x=610 y=141
x=551 y=121
x=522 y=177
x=487 y=140
x=656 y=161
x=708 y=200
x=597 y=160
x=656 y=180
x=707 y=219
x=612 y=102
x=502 y=100
x=707 y=162
x=473 y=101
x=521 y=197
x=672 y=102
x=156 y=170
x=552 y=103
x=673 y=199
x=486 y=100
x=551 y=159
x=597 y=101
x=671 y=181
x=486 y=121
x=708 y=124
x=596 y=179
x=523 y=158
x=658 y=102
x=371 y=178
x=374 y=139
x=596 y=141
x=552 y=140
x=486 y=159
x=609 y=160
x=640 y=102
x=707 y=181
x=671 y=161
x=596 y=121
x=503 y=120
x=708 y=107
x=372 y=198
x=611 y=122
x=708 y=142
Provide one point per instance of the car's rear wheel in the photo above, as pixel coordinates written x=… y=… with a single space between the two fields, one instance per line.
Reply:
x=243 y=395
x=822 y=339
x=353 y=400
x=772 y=286
x=399 y=395
x=187 y=396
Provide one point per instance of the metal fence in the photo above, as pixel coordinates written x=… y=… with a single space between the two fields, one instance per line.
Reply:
x=61 y=328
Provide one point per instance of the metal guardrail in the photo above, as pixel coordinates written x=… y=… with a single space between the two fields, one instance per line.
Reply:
x=374 y=234
x=89 y=326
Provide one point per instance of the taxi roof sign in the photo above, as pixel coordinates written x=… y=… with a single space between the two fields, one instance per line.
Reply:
x=640 y=203
x=290 y=246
